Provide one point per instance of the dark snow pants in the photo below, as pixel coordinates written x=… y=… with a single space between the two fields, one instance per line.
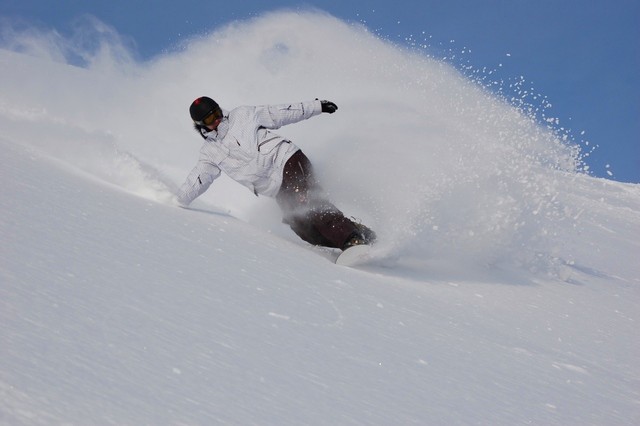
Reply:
x=306 y=211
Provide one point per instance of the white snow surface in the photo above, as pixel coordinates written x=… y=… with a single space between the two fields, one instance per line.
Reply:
x=504 y=289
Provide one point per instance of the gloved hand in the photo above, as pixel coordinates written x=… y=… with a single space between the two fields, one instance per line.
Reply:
x=328 y=107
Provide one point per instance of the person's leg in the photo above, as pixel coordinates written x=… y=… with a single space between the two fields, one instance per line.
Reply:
x=310 y=216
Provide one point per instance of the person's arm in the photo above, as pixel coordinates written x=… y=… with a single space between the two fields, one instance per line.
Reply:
x=198 y=181
x=275 y=116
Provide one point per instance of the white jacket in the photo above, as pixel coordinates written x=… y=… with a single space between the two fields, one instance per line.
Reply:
x=245 y=149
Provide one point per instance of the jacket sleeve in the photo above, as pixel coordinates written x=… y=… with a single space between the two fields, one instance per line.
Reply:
x=276 y=116
x=198 y=181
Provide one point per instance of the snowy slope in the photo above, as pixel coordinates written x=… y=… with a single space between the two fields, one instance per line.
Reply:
x=505 y=292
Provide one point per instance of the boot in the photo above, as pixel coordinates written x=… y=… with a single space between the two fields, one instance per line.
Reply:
x=362 y=235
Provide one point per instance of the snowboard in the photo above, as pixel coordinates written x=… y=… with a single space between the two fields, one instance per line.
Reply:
x=355 y=255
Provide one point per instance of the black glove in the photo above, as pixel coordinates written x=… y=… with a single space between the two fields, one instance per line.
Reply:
x=329 y=107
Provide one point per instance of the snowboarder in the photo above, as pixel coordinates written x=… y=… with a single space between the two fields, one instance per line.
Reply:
x=240 y=143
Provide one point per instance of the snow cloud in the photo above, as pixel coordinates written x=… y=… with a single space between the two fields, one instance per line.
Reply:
x=434 y=161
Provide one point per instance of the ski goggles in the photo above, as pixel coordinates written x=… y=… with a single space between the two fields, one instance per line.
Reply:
x=210 y=118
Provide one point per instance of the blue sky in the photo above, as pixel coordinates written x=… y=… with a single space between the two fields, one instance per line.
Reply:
x=584 y=56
